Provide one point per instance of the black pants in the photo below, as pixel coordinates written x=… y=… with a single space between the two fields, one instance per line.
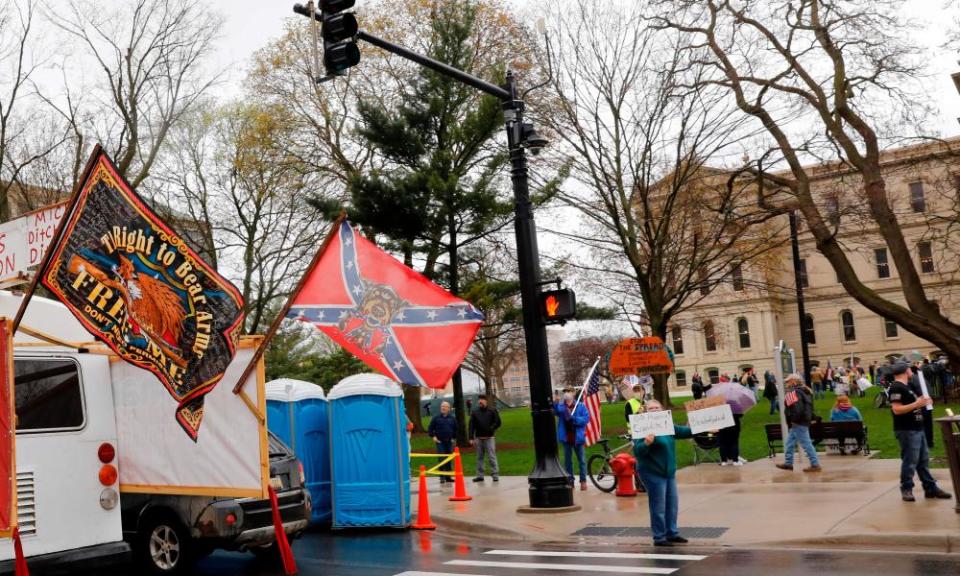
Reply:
x=729 y=439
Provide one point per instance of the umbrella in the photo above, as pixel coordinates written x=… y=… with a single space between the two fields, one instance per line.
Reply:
x=913 y=357
x=738 y=397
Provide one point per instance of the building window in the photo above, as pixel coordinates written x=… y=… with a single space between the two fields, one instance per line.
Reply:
x=677 y=334
x=849 y=330
x=737 y=275
x=743 y=329
x=809 y=331
x=917 y=202
x=714 y=375
x=926 y=257
x=710 y=336
x=833 y=210
x=681 y=378
x=890 y=328
x=883 y=266
x=804 y=281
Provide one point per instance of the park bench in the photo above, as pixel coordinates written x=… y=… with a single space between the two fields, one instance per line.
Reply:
x=820 y=431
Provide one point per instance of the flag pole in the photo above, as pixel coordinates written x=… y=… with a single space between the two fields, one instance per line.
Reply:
x=586 y=380
x=57 y=236
x=275 y=326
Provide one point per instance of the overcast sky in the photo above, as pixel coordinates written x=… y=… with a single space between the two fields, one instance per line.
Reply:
x=251 y=24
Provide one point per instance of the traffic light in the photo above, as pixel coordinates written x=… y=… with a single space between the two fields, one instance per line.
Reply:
x=558 y=306
x=339 y=30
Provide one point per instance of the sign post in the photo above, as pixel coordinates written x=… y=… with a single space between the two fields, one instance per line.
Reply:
x=784 y=363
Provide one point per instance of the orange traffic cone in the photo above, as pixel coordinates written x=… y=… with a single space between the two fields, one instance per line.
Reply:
x=459 y=488
x=423 y=507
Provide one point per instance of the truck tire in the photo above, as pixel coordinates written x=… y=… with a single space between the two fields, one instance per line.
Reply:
x=163 y=545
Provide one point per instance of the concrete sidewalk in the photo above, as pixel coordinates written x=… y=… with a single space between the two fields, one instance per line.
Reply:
x=854 y=503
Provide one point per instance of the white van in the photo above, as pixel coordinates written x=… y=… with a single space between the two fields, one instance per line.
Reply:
x=70 y=509
x=67 y=481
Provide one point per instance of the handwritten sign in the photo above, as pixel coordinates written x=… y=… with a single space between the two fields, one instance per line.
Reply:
x=24 y=240
x=640 y=356
x=704 y=403
x=712 y=418
x=656 y=423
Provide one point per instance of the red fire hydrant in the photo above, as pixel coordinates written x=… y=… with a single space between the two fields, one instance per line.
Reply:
x=623 y=466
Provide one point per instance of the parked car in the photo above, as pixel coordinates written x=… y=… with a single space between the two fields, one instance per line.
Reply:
x=169 y=533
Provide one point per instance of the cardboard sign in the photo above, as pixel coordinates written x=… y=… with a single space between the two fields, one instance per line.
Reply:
x=656 y=423
x=703 y=403
x=24 y=240
x=712 y=418
x=640 y=356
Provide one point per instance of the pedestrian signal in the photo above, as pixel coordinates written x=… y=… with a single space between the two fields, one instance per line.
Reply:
x=558 y=306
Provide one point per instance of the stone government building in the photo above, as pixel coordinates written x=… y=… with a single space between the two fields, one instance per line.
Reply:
x=738 y=323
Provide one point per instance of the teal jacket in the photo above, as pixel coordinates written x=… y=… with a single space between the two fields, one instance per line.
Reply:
x=660 y=458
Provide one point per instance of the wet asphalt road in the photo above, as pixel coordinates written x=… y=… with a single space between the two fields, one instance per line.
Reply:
x=433 y=554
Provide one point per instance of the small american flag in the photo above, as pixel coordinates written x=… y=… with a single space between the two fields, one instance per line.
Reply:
x=591 y=400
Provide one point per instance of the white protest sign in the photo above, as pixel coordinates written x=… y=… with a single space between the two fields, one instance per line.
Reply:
x=656 y=423
x=24 y=240
x=712 y=418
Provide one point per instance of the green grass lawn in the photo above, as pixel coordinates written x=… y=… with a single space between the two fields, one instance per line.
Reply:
x=515 y=438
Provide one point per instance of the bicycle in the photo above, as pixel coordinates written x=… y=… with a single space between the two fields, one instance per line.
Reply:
x=882 y=398
x=598 y=465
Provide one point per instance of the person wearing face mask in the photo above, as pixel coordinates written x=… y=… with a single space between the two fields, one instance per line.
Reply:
x=657 y=457
x=571 y=433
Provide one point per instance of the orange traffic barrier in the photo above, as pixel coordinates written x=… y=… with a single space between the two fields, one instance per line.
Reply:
x=459 y=487
x=423 y=506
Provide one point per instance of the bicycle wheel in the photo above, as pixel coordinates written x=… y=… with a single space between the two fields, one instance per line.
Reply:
x=600 y=473
x=880 y=399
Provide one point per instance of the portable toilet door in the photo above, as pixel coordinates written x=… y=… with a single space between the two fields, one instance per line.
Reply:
x=297 y=412
x=371 y=453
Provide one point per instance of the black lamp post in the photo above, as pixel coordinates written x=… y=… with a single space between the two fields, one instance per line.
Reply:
x=549 y=485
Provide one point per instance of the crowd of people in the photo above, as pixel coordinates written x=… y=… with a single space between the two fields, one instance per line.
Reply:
x=656 y=455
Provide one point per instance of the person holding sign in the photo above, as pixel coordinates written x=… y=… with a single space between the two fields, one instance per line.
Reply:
x=657 y=457
x=571 y=432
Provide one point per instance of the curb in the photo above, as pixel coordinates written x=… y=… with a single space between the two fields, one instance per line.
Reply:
x=899 y=542
x=467 y=528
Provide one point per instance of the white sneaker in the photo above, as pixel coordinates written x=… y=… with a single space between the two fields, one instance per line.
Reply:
x=724 y=463
x=742 y=460
x=738 y=463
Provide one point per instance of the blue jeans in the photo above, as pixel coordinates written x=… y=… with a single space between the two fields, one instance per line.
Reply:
x=774 y=405
x=800 y=434
x=445 y=447
x=581 y=460
x=664 y=501
x=914 y=457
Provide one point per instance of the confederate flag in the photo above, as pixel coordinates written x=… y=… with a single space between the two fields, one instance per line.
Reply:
x=390 y=317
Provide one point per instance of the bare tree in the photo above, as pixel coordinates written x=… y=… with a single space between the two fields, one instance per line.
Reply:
x=26 y=136
x=827 y=81
x=149 y=57
x=226 y=172
x=660 y=223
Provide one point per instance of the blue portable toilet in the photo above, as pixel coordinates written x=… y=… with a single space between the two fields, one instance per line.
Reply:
x=297 y=413
x=370 y=453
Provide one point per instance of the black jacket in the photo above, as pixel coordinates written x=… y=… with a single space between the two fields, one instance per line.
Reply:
x=484 y=422
x=801 y=411
x=443 y=427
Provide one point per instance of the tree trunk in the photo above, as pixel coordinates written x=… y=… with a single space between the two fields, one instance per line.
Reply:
x=660 y=390
x=411 y=403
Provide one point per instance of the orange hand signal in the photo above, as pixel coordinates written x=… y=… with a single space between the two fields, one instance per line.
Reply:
x=552 y=305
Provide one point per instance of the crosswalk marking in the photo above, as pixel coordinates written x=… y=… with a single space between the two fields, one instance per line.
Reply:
x=615 y=555
x=568 y=567
x=416 y=573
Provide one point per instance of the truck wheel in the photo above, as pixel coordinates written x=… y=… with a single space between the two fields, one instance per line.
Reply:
x=163 y=545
